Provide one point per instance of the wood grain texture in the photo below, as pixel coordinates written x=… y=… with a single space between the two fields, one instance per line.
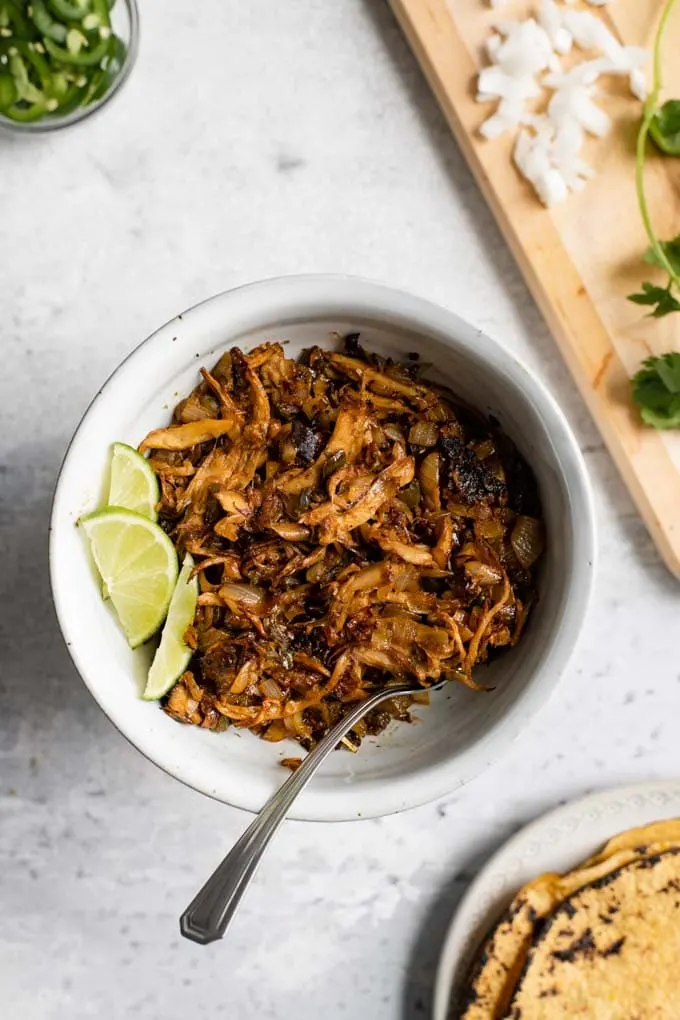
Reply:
x=581 y=259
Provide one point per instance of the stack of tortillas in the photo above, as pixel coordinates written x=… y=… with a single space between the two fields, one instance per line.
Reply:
x=602 y=941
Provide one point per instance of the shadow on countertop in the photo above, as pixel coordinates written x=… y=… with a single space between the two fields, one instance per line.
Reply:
x=418 y=994
x=38 y=682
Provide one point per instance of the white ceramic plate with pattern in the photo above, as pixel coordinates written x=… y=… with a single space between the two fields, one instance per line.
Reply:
x=558 y=841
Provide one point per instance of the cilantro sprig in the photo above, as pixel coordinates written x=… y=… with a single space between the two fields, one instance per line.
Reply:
x=656 y=391
x=656 y=386
x=665 y=128
x=662 y=299
x=663 y=124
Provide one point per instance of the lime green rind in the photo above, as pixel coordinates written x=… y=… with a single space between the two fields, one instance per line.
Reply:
x=173 y=654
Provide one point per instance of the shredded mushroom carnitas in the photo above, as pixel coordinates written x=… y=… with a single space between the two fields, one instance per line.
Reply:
x=351 y=526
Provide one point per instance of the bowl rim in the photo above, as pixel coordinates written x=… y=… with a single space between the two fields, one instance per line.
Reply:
x=81 y=113
x=328 y=294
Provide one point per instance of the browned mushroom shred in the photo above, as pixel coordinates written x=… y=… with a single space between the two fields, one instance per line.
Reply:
x=352 y=527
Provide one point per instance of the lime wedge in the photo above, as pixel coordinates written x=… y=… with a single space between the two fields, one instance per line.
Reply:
x=173 y=655
x=138 y=564
x=133 y=485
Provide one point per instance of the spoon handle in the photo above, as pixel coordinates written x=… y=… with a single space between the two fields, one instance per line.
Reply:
x=207 y=916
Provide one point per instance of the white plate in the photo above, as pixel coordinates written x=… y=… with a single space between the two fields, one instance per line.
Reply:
x=556 y=842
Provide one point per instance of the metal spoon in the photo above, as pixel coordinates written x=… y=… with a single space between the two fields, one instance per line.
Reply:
x=207 y=916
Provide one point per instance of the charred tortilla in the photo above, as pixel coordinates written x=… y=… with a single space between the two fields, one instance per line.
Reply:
x=610 y=951
x=504 y=953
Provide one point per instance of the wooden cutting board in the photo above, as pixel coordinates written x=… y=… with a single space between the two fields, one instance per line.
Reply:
x=581 y=259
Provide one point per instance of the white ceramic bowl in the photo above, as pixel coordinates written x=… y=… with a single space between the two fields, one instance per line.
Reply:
x=462 y=731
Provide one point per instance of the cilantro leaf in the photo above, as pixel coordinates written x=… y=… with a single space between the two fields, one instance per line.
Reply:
x=661 y=297
x=671 y=250
x=665 y=128
x=656 y=391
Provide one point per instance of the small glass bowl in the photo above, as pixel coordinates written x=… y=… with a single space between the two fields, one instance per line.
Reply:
x=125 y=24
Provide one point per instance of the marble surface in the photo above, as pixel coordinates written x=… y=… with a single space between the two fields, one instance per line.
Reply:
x=256 y=139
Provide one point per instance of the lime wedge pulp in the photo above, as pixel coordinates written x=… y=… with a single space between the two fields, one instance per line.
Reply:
x=173 y=654
x=138 y=565
x=133 y=484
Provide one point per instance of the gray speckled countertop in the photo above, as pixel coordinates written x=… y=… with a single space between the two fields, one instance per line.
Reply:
x=257 y=139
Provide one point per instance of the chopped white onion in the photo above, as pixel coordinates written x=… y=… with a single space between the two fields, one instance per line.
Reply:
x=509 y=114
x=527 y=49
x=573 y=104
x=585 y=73
x=492 y=45
x=590 y=33
x=638 y=84
x=568 y=142
x=495 y=83
x=525 y=59
x=550 y=20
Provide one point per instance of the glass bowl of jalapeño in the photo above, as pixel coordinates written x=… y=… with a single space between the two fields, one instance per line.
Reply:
x=61 y=60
